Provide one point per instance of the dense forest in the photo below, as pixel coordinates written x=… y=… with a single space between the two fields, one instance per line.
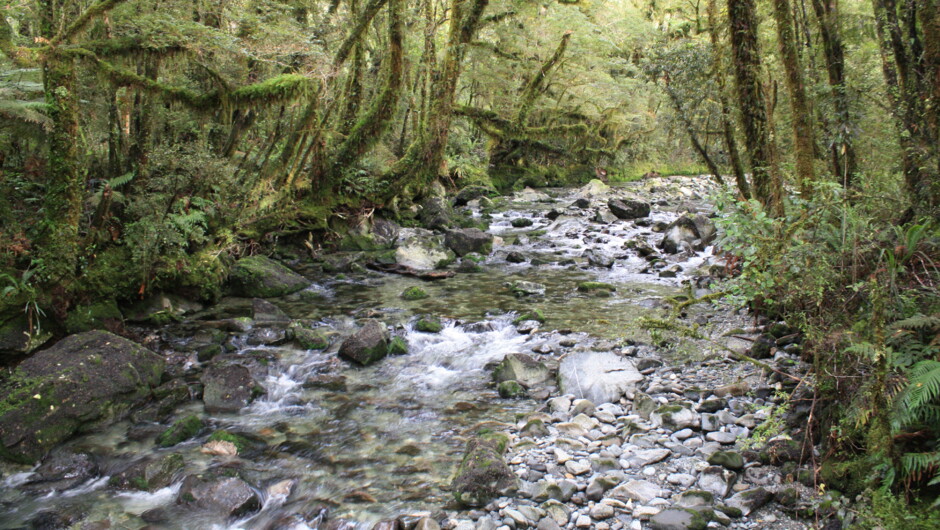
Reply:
x=149 y=147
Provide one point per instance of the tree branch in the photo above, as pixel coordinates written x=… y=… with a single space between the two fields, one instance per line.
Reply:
x=79 y=24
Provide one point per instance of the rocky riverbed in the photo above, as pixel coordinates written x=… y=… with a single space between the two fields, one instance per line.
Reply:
x=530 y=375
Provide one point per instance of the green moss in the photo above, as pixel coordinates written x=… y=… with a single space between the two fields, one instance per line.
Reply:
x=397 y=346
x=180 y=431
x=511 y=389
x=240 y=442
x=595 y=286
x=532 y=314
x=429 y=325
x=414 y=293
x=309 y=339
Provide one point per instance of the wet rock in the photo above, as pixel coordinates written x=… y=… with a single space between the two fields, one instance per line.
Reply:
x=414 y=293
x=594 y=188
x=262 y=277
x=467 y=240
x=522 y=368
x=368 y=345
x=266 y=337
x=422 y=250
x=471 y=193
x=510 y=389
x=81 y=384
x=598 y=258
x=429 y=324
x=264 y=311
x=602 y=377
x=180 y=431
x=397 y=346
x=696 y=232
x=482 y=475
x=229 y=496
x=581 y=203
x=307 y=338
x=521 y=222
x=628 y=208
x=54 y=520
x=750 y=500
x=61 y=471
x=336 y=383
x=149 y=474
x=523 y=288
x=515 y=257
x=16 y=339
x=227 y=387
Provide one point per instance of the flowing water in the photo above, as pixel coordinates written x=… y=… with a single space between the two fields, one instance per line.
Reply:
x=389 y=442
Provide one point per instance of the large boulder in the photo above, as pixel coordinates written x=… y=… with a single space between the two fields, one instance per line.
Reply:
x=82 y=383
x=628 y=208
x=466 y=240
x=592 y=189
x=696 y=232
x=262 y=277
x=601 y=377
x=471 y=193
x=228 y=496
x=436 y=213
x=368 y=345
x=228 y=387
x=16 y=339
x=522 y=368
x=483 y=474
x=422 y=250
x=62 y=470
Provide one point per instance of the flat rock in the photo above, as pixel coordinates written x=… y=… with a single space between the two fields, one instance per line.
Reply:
x=601 y=377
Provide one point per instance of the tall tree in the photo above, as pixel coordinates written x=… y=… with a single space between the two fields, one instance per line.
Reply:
x=909 y=39
x=742 y=19
x=842 y=138
x=803 y=137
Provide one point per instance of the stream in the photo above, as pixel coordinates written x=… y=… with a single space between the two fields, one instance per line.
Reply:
x=385 y=440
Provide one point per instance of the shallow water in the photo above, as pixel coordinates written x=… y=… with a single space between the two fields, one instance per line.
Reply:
x=391 y=441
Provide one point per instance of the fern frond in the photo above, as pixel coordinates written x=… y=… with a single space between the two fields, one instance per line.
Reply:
x=918 y=322
x=914 y=466
x=123 y=180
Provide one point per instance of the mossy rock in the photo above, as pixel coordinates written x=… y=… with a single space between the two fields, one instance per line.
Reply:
x=149 y=474
x=261 y=277
x=16 y=339
x=482 y=475
x=309 y=339
x=727 y=459
x=521 y=222
x=397 y=346
x=531 y=314
x=181 y=430
x=240 y=442
x=102 y=315
x=83 y=383
x=429 y=325
x=414 y=293
x=585 y=287
x=510 y=390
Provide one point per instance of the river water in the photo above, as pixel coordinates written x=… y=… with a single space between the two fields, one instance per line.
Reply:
x=389 y=442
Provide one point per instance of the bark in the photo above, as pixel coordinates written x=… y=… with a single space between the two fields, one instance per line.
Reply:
x=423 y=160
x=842 y=139
x=909 y=37
x=803 y=136
x=746 y=62
x=727 y=127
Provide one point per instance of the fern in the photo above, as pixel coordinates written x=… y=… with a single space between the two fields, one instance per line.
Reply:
x=123 y=180
x=918 y=322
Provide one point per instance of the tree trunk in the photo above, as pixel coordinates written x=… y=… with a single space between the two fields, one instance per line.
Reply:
x=424 y=158
x=803 y=137
x=746 y=61
x=842 y=139
x=63 y=201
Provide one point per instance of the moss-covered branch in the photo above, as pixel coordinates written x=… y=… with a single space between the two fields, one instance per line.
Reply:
x=368 y=13
x=100 y=8
x=536 y=85
x=21 y=56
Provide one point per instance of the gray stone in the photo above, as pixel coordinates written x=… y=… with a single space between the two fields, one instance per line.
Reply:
x=717 y=480
x=422 y=250
x=628 y=208
x=750 y=500
x=228 y=387
x=523 y=368
x=674 y=417
x=467 y=240
x=367 y=345
x=641 y=491
x=230 y=496
x=602 y=377
x=262 y=277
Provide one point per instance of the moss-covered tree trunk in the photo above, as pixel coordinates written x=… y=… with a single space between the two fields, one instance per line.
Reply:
x=727 y=126
x=803 y=136
x=64 y=185
x=746 y=61
x=909 y=39
x=842 y=139
x=424 y=159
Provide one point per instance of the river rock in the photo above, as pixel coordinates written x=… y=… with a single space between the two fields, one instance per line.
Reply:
x=628 y=208
x=149 y=474
x=750 y=500
x=602 y=377
x=483 y=474
x=674 y=417
x=678 y=519
x=592 y=189
x=264 y=311
x=467 y=240
x=15 y=337
x=262 y=277
x=81 y=384
x=228 y=387
x=641 y=491
x=697 y=232
x=716 y=480
x=368 y=345
x=230 y=496
x=436 y=213
x=62 y=470
x=727 y=459
x=471 y=193
x=598 y=258
x=522 y=368
x=422 y=250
